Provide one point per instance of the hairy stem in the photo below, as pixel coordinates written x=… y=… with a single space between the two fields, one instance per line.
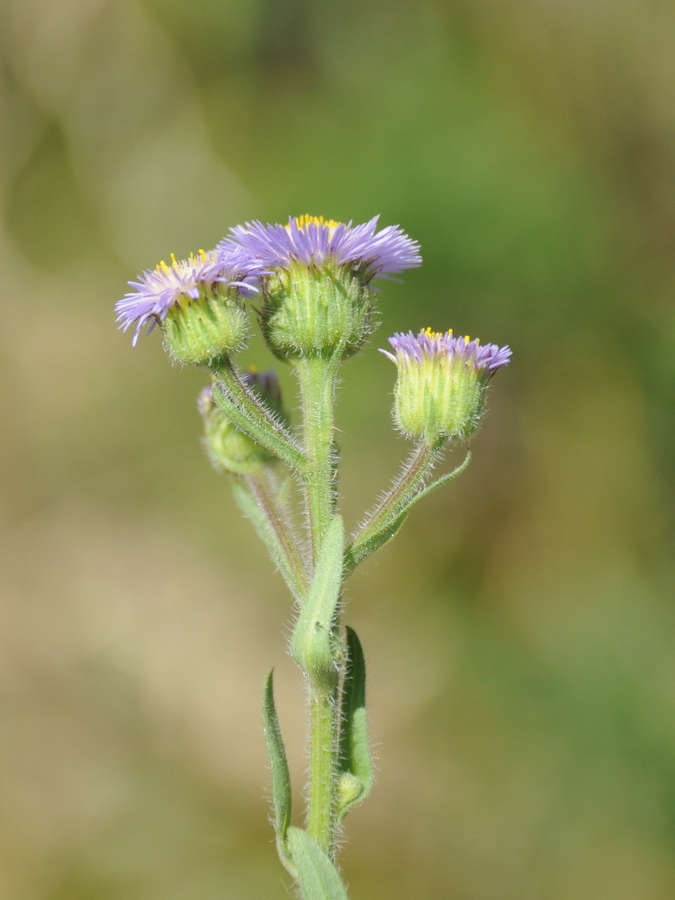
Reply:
x=257 y=496
x=390 y=507
x=317 y=377
x=252 y=417
x=322 y=797
x=317 y=389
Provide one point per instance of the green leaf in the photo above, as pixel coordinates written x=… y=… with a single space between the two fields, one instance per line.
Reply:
x=444 y=479
x=363 y=548
x=356 y=777
x=317 y=876
x=314 y=645
x=390 y=521
x=281 y=779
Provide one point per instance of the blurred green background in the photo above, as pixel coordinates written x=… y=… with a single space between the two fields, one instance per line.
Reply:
x=521 y=631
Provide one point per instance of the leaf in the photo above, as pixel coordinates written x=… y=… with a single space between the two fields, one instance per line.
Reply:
x=255 y=498
x=314 y=645
x=357 y=772
x=365 y=545
x=363 y=548
x=317 y=876
x=444 y=479
x=281 y=779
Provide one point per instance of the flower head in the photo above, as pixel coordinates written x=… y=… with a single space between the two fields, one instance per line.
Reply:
x=428 y=343
x=313 y=241
x=442 y=382
x=198 y=303
x=316 y=277
x=175 y=285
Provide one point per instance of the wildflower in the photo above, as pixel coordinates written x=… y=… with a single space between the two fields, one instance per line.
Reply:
x=198 y=303
x=442 y=383
x=317 y=273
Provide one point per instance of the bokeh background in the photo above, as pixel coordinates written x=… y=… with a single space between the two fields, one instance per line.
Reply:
x=521 y=631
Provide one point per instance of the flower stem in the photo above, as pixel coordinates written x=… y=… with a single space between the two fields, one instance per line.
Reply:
x=317 y=377
x=317 y=388
x=375 y=530
x=252 y=417
x=322 y=795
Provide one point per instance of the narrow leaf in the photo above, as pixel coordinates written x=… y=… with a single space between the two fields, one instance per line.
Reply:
x=363 y=548
x=365 y=545
x=317 y=876
x=314 y=644
x=356 y=767
x=281 y=779
x=444 y=479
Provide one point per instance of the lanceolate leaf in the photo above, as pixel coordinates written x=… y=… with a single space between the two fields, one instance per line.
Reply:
x=356 y=768
x=318 y=878
x=281 y=779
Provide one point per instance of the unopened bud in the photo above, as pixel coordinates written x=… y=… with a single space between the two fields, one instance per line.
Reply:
x=442 y=383
x=228 y=448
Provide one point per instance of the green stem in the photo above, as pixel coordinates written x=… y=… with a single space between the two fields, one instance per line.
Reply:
x=317 y=377
x=258 y=498
x=322 y=799
x=317 y=389
x=252 y=417
x=390 y=507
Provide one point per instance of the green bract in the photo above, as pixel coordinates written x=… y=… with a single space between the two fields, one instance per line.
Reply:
x=313 y=310
x=199 y=331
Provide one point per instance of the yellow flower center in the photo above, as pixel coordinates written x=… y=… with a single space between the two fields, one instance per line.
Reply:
x=304 y=221
x=176 y=264
x=435 y=334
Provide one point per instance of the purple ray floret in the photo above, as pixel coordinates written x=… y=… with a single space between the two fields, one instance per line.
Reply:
x=427 y=344
x=157 y=290
x=313 y=241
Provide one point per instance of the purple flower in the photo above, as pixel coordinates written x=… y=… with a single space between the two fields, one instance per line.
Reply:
x=157 y=290
x=313 y=241
x=428 y=344
x=442 y=383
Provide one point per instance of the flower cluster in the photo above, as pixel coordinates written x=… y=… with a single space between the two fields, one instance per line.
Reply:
x=313 y=274
x=313 y=280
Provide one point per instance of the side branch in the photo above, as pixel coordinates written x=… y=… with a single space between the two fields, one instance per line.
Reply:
x=252 y=417
x=258 y=498
x=385 y=520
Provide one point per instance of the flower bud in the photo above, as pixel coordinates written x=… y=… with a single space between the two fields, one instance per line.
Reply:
x=228 y=448
x=198 y=303
x=442 y=383
x=316 y=280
